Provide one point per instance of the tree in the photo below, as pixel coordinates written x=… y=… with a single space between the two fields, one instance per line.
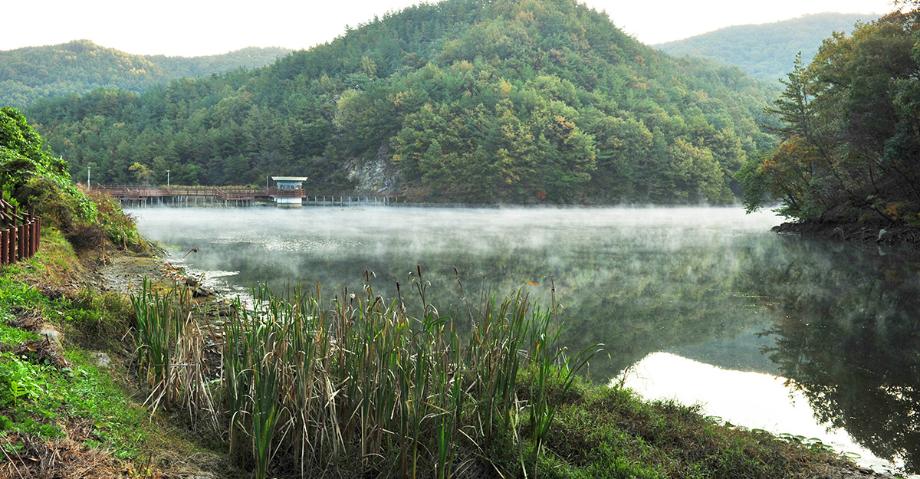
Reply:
x=850 y=130
x=141 y=172
x=793 y=107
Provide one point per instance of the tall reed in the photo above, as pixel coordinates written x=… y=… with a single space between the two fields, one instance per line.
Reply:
x=357 y=383
x=170 y=352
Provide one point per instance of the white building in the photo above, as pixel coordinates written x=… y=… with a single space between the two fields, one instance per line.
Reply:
x=288 y=191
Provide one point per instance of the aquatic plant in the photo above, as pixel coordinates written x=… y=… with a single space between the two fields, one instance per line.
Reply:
x=358 y=382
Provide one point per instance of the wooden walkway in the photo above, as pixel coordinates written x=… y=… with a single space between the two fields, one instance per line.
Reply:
x=142 y=196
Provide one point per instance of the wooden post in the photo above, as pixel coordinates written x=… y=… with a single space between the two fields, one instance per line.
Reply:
x=38 y=233
x=4 y=246
x=26 y=237
x=22 y=241
x=34 y=235
x=14 y=242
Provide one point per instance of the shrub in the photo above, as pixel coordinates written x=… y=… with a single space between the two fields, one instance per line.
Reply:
x=34 y=179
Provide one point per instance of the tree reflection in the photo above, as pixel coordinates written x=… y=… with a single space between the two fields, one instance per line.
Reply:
x=847 y=333
x=840 y=321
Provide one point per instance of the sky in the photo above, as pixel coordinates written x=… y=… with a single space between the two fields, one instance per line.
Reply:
x=203 y=27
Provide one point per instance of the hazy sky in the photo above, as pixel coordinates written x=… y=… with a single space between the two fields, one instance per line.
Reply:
x=198 y=27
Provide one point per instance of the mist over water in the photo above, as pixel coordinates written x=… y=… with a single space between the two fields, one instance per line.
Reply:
x=708 y=293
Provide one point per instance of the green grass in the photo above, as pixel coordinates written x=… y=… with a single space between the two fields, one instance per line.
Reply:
x=11 y=336
x=41 y=401
x=610 y=432
x=17 y=294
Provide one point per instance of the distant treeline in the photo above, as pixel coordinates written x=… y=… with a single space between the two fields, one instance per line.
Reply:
x=767 y=51
x=28 y=75
x=463 y=100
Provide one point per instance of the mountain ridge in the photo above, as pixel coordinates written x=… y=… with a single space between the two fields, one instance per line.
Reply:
x=766 y=50
x=29 y=74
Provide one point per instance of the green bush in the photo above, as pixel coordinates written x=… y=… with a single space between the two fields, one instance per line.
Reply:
x=33 y=179
x=36 y=179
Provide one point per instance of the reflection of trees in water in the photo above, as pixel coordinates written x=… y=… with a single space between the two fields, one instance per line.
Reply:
x=845 y=322
x=635 y=298
x=848 y=336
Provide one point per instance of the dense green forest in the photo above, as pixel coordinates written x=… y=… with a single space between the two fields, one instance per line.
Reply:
x=464 y=100
x=851 y=130
x=766 y=51
x=34 y=73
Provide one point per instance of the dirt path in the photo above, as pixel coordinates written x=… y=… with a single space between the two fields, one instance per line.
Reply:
x=126 y=274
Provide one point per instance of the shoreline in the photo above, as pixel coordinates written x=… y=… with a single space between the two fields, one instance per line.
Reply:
x=223 y=293
x=678 y=433
x=865 y=233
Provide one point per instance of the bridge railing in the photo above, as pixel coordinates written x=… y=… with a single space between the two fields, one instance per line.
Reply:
x=20 y=234
x=222 y=192
x=242 y=193
x=154 y=192
x=275 y=192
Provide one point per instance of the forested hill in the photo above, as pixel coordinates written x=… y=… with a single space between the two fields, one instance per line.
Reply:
x=33 y=73
x=766 y=51
x=463 y=100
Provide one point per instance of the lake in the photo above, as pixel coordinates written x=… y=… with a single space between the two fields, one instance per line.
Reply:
x=701 y=305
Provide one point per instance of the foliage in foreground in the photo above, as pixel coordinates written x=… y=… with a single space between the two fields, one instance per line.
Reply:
x=851 y=134
x=358 y=384
x=610 y=432
x=40 y=402
x=33 y=179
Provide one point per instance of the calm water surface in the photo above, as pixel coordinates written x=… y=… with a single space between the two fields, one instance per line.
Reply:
x=702 y=305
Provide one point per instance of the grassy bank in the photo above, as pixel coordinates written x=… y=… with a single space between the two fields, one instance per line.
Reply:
x=353 y=385
x=69 y=406
x=339 y=386
x=876 y=233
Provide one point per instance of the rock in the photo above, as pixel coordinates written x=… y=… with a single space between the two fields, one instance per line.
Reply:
x=881 y=234
x=202 y=292
x=101 y=359
x=43 y=351
x=49 y=332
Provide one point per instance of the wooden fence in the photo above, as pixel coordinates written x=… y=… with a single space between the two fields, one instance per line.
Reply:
x=20 y=234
